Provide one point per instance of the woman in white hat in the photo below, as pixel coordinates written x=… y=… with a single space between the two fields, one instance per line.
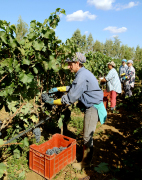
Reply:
x=113 y=84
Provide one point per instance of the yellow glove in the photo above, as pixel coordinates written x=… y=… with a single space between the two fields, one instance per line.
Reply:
x=62 y=89
x=57 y=102
x=123 y=74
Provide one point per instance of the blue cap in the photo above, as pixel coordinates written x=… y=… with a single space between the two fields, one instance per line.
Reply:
x=78 y=57
x=124 y=60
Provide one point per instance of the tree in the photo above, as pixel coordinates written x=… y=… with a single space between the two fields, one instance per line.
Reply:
x=116 y=48
x=90 y=42
x=126 y=52
x=83 y=43
x=108 y=48
x=79 y=40
x=21 y=29
x=138 y=53
x=77 y=37
x=98 y=46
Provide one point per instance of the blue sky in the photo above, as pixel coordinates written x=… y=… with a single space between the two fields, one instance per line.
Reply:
x=103 y=18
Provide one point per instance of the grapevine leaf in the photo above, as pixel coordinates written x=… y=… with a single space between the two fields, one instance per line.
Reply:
x=22 y=51
x=26 y=142
x=38 y=45
x=34 y=118
x=102 y=168
x=47 y=113
x=1 y=142
x=2 y=169
x=31 y=36
x=28 y=45
x=35 y=70
x=2 y=33
x=12 y=42
x=63 y=11
x=26 y=61
x=45 y=21
x=26 y=78
x=26 y=108
x=13 y=27
x=4 y=39
x=58 y=9
x=60 y=121
x=33 y=23
x=16 y=153
x=45 y=65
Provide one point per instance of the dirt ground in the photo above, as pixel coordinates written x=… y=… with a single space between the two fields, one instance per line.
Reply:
x=112 y=144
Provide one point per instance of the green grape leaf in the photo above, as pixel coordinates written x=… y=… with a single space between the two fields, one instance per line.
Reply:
x=34 y=118
x=1 y=142
x=35 y=70
x=2 y=169
x=16 y=153
x=47 y=113
x=33 y=23
x=102 y=168
x=63 y=11
x=26 y=61
x=26 y=142
x=26 y=78
x=60 y=121
x=38 y=45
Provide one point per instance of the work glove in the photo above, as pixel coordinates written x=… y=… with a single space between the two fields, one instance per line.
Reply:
x=47 y=99
x=56 y=89
x=124 y=77
x=51 y=101
x=123 y=74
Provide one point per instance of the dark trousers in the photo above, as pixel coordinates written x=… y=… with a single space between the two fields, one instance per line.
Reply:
x=90 y=122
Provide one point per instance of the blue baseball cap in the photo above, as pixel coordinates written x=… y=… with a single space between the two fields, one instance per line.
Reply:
x=78 y=57
x=124 y=60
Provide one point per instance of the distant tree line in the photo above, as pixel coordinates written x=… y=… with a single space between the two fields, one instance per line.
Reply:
x=113 y=49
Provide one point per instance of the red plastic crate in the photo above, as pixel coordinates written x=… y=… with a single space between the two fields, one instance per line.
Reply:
x=47 y=166
x=105 y=101
x=106 y=98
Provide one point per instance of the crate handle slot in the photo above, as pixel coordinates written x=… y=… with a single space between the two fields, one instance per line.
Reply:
x=66 y=139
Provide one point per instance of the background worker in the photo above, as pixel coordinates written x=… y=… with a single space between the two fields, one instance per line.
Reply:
x=122 y=69
x=113 y=84
x=86 y=90
x=129 y=79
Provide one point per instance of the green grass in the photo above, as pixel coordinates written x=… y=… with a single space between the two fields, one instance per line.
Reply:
x=77 y=122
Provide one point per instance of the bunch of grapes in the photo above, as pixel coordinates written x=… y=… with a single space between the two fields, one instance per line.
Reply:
x=55 y=150
x=37 y=133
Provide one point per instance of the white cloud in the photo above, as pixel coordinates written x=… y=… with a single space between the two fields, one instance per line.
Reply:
x=115 y=36
x=108 y=4
x=126 y=6
x=80 y=16
x=86 y=32
x=114 y=29
x=101 y=4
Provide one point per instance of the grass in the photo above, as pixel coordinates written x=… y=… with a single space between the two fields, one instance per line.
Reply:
x=18 y=167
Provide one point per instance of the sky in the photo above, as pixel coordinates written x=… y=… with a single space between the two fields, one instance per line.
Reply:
x=104 y=19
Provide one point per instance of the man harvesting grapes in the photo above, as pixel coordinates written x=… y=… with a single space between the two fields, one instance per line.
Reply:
x=86 y=90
